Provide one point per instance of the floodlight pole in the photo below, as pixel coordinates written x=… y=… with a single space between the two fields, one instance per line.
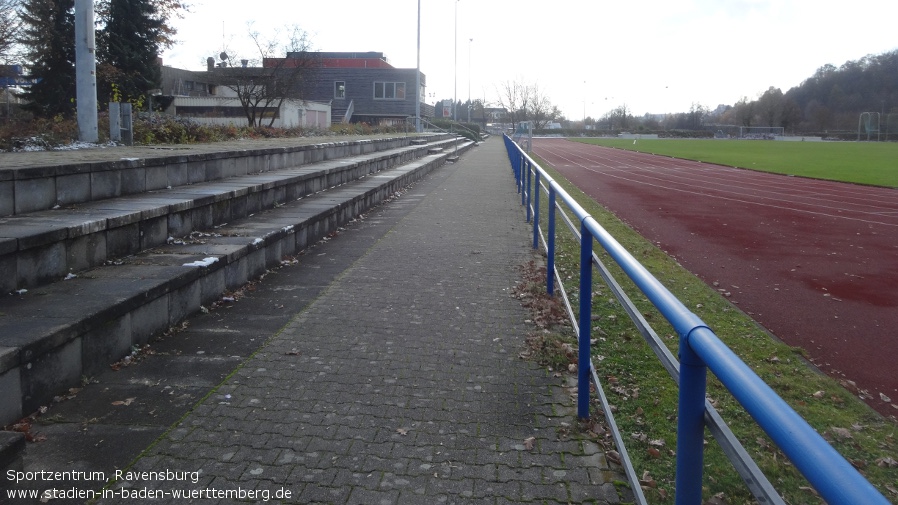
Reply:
x=470 y=42
x=455 y=66
x=86 y=70
x=418 y=77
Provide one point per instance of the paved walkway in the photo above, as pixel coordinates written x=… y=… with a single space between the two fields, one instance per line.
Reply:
x=401 y=383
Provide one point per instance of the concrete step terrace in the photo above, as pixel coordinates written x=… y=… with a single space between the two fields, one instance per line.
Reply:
x=54 y=335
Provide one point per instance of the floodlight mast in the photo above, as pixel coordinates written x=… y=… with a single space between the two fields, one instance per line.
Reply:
x=86 y=71
x=418 y=77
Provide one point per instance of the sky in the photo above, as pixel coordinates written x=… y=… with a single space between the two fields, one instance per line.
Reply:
x=587 y=56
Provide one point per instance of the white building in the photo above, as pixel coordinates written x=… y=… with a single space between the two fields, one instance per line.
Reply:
x=225 y=110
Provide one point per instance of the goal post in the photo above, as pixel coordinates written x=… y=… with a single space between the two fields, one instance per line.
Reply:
x=761 y=132
x=869 y=123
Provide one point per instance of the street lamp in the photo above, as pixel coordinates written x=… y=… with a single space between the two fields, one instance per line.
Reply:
x=470 y=43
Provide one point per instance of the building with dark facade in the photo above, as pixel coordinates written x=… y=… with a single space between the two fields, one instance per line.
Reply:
x=361 y=87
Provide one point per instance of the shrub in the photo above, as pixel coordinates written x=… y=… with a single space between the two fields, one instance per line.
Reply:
x=25 y=132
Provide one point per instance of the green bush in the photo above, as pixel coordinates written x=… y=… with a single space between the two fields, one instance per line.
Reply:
x=25 y=132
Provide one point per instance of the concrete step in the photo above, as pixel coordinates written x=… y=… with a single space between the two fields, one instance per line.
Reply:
x=12 y=445
x=53 y=336
x=41 y=247
x=25 y=188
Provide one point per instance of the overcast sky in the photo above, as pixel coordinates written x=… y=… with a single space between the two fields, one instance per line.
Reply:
x=655 y=56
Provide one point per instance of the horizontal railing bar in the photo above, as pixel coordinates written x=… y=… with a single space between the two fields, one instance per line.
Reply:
x=827 y=470
x=758 y=484
x=635 y=486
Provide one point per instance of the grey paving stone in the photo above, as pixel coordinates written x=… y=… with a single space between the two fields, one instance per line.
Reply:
x=400 y=383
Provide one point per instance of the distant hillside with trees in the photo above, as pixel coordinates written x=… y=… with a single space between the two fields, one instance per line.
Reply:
x=832 y=99
x=828 y=103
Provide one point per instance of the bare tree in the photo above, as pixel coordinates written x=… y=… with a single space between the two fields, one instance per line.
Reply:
x=10 y=24
x=514 y=97
x=542 y=110
x=697 y=114
x=619 y=117
x=527 y=102
x=280 y=72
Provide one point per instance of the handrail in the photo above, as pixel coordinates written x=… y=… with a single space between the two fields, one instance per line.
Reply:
x=350 y=110
x=452 y=123
x=834 y=478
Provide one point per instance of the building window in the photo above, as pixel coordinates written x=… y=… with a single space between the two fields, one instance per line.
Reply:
x=340 y=89
x=389 y=91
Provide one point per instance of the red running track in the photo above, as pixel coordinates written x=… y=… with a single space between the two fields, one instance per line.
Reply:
x=814 y=262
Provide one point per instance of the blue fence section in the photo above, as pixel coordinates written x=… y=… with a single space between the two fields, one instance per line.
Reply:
x=834 y=478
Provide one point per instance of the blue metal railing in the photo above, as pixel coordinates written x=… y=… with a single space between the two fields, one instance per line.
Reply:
x=834 y=478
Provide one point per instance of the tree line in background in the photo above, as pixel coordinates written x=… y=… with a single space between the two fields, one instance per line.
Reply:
x=527 y=102
x=830 y=100
x=130 y=35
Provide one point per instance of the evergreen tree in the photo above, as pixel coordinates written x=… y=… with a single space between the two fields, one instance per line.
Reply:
x=128 y=49
x=48 y=36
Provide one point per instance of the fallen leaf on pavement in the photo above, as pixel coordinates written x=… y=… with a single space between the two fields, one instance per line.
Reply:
x=613 y=456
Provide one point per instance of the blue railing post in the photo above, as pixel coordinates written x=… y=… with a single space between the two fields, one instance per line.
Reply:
x=583 y=358
x=519 y=176
x=690 y=426
x=550 y=268
x=536 y=210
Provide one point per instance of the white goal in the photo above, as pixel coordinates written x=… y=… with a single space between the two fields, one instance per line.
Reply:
x=761 y=132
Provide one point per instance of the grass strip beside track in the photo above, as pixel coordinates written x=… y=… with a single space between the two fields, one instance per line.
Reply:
x=645 y=397
x=871 y=163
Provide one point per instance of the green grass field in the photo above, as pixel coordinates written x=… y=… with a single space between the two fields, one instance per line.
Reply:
x=873 y=163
